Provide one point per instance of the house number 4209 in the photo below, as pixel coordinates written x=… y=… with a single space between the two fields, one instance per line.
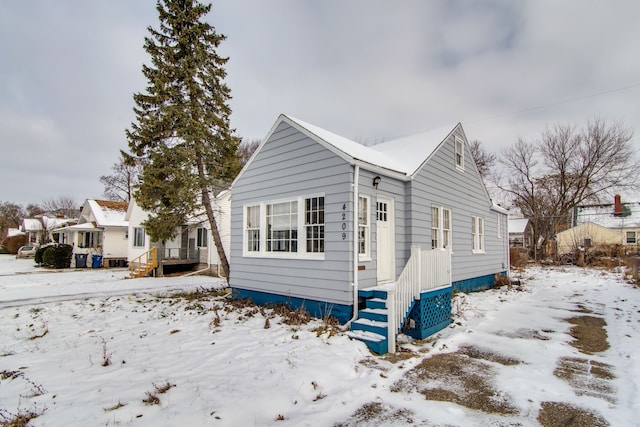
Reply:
x=344 y=217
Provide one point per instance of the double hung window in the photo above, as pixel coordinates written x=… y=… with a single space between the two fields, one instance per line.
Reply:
x=477 y=234
x=314 y=224
x=440 y=228
x=252 y=228
x=459 y=152
x=201 y=240
x=138 y=237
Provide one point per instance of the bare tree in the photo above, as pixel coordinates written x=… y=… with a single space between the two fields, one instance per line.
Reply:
x=246 y=149
x=484 y=160
x=10 y=216
x=62 y=205
x=567 y=167
x=33 y=209
x=120 y=185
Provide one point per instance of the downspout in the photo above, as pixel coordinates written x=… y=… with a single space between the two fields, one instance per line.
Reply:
x=354 y=284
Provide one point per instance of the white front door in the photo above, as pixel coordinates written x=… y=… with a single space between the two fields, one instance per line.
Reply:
x=385 y=240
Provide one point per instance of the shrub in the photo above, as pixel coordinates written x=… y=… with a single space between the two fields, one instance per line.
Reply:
x=13 y=243
x=37 y=258
x=58 y=256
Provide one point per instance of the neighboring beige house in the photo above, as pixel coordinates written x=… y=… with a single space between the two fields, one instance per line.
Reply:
x=193 y=243
x=622 y=218
x=584 y=236
x=102 y=230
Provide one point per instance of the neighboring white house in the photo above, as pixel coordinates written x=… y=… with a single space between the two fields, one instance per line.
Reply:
x=102 y=230
x=193 y=242
x=520 y=233
x=44 y=228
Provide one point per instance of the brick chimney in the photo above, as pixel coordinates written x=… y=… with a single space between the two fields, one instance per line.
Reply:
x=617 y=207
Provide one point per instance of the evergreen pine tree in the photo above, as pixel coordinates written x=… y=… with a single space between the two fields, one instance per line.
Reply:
x=182 y=134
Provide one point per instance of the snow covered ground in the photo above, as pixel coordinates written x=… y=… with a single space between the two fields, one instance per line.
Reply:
x=89 y=348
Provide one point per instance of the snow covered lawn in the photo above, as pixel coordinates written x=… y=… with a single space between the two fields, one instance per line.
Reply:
x=89 y=348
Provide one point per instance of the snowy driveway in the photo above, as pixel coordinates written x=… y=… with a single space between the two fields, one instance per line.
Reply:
x=22 y=283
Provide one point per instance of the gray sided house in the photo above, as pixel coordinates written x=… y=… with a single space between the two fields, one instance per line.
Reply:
x=322 y=221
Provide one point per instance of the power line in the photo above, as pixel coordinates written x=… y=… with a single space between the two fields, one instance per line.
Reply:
x=554 y=104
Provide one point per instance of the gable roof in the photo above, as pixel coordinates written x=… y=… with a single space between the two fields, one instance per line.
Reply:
x=517 y=225
x=105 y=213
x=589 y=229
x=402 y=157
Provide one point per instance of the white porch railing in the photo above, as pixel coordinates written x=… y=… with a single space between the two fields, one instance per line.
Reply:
x=425 y=270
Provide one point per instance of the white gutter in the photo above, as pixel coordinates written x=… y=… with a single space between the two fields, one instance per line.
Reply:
x=355 y=245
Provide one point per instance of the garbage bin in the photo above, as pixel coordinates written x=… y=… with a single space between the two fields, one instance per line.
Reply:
x=96 y=261
x=122 y=263
x=81 y=260
x=113 y=263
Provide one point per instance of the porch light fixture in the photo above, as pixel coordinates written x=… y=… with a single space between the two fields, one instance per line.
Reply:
x=376 y=181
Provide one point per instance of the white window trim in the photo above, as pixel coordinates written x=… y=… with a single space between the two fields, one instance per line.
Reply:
x=245 y=239
x=206 y=237
x=456 y=140
x=440 y=228
x=366 y=256
x=477 y=236
x=301 y=227
x=144 y=236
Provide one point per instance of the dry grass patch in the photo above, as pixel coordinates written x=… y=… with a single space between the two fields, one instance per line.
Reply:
x=589 y=334
x=151 y=399
x=463 y=377
x=19 y=419
x=198 y=294
x=400 y=355
x=375 y=414
x=587 y=377
x=485 y=354
x=554 y=414
x=115 y=407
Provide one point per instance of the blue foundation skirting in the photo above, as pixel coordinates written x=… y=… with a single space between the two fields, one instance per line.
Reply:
x=429 y=314
x=316 y=308
x=476 y=284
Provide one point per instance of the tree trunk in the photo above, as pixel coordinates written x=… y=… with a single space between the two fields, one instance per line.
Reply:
x=215 y=233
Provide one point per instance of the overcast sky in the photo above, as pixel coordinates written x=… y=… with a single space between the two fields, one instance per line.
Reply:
x=369 y=70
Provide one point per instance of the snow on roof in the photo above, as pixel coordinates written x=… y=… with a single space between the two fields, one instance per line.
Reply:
x=53 y=223
x=14 y=232
x=404 y=155
x=31 y=224
x=85 y=226
x=109 y=214
x=604 y=215
x=412 y=151
x=517 y=225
